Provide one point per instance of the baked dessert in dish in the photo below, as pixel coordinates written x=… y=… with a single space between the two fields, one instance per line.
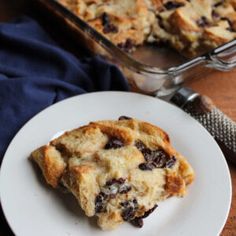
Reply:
x=117 y=170
x=190 y=26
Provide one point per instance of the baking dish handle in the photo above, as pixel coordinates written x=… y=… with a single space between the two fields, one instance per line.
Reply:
x=222 y=58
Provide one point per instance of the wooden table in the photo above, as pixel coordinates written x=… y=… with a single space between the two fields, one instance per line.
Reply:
x=219 y=86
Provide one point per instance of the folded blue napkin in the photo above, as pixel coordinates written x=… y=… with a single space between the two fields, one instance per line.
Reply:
x=35 y=73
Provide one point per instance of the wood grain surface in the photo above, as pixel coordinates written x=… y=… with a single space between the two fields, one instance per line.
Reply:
x=219 y=86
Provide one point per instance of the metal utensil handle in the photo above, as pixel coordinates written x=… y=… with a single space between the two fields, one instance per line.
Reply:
x=220 y=126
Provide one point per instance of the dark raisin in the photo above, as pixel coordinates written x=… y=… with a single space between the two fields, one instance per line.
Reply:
x=140 y=145
x=127 y=46
x=128 y=214
x=219 y=3
x=170 y=162
x=202 y=22
x=114 y=143
x=100 y=202
x=146 y=166
x=173 y=5
x=160 y=158
x=124 y=189
x=147 y=213
x=125 y=118
x=129 y=209
x=137 y=222
x=110 y=28
x=215 y=14
x=114 y=181
x=230 y=28
x=105 y=19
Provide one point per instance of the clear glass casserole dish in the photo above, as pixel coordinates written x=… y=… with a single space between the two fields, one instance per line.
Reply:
x=150 y=68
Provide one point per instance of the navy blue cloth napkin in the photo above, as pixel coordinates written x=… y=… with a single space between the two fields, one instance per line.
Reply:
x=35 y=73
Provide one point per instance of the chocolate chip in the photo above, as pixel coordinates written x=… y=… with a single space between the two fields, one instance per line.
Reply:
x=173 y=5
x=202 y=22
x=127 y=46
x=114 y=143
x=125 y=118
x=100 y=202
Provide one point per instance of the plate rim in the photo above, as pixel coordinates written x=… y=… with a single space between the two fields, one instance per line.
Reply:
x=226 y=167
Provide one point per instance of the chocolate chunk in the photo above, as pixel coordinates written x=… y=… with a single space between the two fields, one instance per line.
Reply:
x=202 y=22
x=173 y=5
x=127 y=46
x=114 y=143
x=125 y=118
x=100 y=202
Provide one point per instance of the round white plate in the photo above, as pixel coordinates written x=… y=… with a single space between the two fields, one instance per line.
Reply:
x=32 y=208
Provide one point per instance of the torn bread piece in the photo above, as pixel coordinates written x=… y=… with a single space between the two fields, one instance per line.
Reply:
x=118 y=170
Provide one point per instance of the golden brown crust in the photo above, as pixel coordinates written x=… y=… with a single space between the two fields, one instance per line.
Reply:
x=190 y=26
x=108 y=165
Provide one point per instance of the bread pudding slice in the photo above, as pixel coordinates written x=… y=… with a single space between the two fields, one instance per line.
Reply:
x=117 y=170
x=192 y=27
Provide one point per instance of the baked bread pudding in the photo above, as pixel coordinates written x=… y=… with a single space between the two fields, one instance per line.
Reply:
x=190 y=26
x=117 y=170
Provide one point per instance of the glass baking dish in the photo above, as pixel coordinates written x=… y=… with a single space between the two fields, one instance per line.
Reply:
x=150 y=69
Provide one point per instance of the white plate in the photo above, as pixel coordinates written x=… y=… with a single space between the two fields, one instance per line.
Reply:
x=32 y=208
